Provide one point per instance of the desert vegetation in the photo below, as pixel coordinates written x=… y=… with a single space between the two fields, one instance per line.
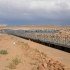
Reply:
x=14 y=63
x=3 y=52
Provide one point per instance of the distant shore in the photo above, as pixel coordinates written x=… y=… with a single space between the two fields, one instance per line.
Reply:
x=34 y=26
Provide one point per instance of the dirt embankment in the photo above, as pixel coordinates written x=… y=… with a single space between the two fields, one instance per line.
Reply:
x=15 y=54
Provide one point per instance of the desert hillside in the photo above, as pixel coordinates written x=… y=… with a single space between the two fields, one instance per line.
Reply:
x=17 y=54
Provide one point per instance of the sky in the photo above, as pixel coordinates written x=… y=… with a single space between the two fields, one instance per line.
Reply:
x=35 y=12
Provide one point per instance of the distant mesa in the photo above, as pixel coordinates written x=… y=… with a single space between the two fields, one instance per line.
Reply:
x=3 y=25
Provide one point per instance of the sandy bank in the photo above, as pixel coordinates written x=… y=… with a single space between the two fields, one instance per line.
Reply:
x=26 y=55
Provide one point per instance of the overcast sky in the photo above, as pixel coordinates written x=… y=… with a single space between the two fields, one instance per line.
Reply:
x=31 y=12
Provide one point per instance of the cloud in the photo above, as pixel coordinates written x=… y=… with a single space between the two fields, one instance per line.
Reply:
x=35 y=9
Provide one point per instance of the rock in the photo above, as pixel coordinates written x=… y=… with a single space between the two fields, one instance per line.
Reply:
x=47 y=60
x=52 y=68
x=45 y=65
x=34 y=68
x=51 y=61
x=40 y=67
